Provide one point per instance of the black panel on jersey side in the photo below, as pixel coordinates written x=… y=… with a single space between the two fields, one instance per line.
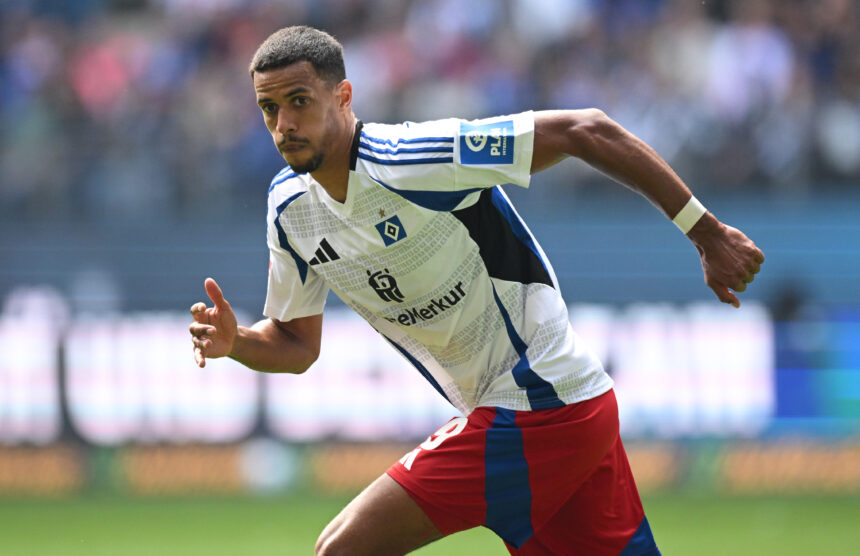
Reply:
x=505 y=256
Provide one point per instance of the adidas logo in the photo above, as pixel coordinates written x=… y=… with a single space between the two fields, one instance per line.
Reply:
x=324 y=254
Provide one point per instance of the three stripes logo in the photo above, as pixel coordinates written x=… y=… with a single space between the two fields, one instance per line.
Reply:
x=324 y=254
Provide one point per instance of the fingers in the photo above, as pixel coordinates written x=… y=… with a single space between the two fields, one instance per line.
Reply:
x=200 y=337
x=198 y=312
x=726 y=296
x=201 y=331
x=213 y=290
x=730 y=264
x=207 y=339
x=755 y=265
x=199 y=358
x=752 y=269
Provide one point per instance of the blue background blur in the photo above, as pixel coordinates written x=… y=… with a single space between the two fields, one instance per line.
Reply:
x=134 y=163
x=132 y=150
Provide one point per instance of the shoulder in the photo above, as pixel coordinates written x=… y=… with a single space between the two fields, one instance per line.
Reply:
x=285 y=185
x=451 y=140
x=407 y=143
x=410 y=132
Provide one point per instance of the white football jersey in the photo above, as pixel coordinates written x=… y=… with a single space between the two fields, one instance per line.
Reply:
x=429 y=250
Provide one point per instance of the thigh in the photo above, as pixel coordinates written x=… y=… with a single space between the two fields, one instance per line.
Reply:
x=604 y=517
x=382 y=520
x=445 y=474
x=508 y=470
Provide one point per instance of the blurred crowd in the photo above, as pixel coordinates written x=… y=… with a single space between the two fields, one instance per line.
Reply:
x=137 y=109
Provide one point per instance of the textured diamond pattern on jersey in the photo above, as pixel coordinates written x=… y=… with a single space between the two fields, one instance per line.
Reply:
x=315 y=219
x=438 y=303
x=402 y=258
x=432 y=254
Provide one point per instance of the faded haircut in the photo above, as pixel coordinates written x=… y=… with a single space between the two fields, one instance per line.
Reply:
x=297 y=44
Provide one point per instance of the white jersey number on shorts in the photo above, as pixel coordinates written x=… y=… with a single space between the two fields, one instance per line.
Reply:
x=449 y=429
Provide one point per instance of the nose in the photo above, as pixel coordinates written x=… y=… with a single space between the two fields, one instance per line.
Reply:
x=286 y=125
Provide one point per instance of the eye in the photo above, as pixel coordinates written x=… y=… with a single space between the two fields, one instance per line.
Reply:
x=301 y=101
x=269 y=108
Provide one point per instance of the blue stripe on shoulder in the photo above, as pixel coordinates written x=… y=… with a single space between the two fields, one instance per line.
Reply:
x=541 y=393
x=418 y=365
x=442 y=201
x=283 y=175
x=506 y=480
x=405 y=150
x=404 y=161
x=413 y=140
x=284 y=242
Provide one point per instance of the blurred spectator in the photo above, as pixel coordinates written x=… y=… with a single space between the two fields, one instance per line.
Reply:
x=141 y=109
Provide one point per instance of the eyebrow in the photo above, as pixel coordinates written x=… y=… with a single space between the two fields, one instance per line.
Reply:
x=288 y=94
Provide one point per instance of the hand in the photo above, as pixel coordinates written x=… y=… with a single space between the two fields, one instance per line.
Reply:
x=730 y=260
x=214 y=328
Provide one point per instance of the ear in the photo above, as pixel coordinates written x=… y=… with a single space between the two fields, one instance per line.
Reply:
x=343 y=94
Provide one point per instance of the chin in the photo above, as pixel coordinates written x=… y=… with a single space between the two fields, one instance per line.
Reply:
x=305 y=166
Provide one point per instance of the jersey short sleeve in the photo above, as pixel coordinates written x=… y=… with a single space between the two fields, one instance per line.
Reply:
x=289 y=297
x=450 y=155
x=294 y=290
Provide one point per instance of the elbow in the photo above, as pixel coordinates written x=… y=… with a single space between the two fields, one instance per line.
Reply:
x=300 y=359
x=588 y=129
x=308 y=353
x=310 y=357
x=297 y=342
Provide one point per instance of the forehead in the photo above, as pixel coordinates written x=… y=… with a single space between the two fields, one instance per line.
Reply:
x=282 y=80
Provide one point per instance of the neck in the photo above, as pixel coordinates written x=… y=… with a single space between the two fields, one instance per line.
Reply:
x=333 y=175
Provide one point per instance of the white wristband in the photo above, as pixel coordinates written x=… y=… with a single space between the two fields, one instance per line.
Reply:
x=689 y=215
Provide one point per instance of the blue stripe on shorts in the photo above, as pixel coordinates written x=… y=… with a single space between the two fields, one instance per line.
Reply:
x=506 y=481
x=642 y=542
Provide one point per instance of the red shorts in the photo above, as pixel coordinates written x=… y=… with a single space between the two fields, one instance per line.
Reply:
x=553 y=481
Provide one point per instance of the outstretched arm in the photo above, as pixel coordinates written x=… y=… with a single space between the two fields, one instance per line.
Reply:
x=730 y=260
x=269 y=346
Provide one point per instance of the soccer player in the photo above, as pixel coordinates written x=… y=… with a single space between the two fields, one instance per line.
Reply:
x=408 y=225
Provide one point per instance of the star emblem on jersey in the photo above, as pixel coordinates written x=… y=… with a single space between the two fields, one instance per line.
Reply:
x=382 y=213
x=391 y=230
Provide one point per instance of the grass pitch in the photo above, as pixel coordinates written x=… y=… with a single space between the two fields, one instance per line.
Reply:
x=683 y=524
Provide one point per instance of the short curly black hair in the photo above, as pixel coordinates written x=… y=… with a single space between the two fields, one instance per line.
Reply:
x=301 y=43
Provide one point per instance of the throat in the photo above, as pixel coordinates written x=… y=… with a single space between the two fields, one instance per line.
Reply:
x=335 y=185
x=333 y=176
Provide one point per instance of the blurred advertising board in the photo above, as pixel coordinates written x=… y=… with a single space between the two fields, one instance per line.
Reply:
x=691 y=371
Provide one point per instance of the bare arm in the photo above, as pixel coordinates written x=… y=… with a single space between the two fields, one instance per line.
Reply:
x=730 y=260
x=269 y=345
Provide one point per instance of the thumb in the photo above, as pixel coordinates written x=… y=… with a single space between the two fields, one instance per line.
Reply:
x=725 y=295
x=213 y=290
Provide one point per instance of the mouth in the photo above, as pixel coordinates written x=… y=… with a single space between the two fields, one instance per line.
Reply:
x=291 y=147
x=291 y=144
